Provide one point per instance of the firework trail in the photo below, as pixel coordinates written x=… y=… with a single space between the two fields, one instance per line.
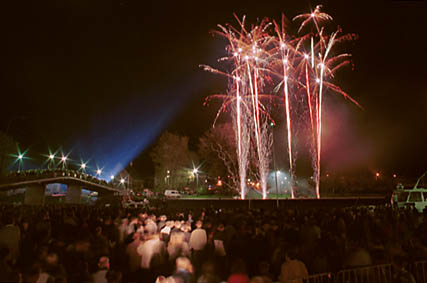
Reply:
x=260 y=62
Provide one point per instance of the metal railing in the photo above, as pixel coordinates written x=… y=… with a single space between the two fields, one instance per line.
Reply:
x=371 y=274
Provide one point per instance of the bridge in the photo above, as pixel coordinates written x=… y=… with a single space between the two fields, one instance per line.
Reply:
x=35 y=182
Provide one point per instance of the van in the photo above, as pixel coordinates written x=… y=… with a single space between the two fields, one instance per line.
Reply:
x=172 y=194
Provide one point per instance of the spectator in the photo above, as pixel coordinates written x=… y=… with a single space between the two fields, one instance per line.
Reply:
x=10 y=236
x=184 y=270
x=292 y=270
x=238 y=272
x=100 y=276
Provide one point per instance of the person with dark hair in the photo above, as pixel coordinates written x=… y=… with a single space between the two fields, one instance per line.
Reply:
x=100 y=276
x=292 y=270
x=114 y=276
x=400 y=274
x=10 y=236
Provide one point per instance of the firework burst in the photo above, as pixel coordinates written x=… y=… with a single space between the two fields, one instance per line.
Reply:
x=269 y=62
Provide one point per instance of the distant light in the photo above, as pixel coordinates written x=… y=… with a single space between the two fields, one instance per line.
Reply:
x=63 y=158
x=83 y=166
x=112 y=177
x=51 y=156
x=246 y=57
x=99 y=171
x=278 y=172
x=240 y=49
x=282 y=45
x=20 y=156
x=168 y=172
x=286 y=78
x=286 y=178
x=394 y=175
x=235 y=54
x=321 y=65
x=317 y=80
x=313 y=15
x=377 y=174
x=122 y=180
x=238 y=79
x=285 y=61
x=306 y=56
x=195 y=170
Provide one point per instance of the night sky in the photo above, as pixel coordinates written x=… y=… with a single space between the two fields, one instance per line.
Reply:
x=104 y=78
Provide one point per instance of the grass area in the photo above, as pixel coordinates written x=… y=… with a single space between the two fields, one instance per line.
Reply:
x=252 y=196
x=205 y=196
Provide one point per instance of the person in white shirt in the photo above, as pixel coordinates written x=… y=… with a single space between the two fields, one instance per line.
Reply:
x=198 y=238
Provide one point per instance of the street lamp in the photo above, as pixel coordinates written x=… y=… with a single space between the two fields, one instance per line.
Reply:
x=99 y=172
x=196 y=173
x=277 y=172
x=168 y=178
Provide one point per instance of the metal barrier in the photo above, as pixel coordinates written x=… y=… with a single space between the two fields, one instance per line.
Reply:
x=419 y=271
x=372 y=274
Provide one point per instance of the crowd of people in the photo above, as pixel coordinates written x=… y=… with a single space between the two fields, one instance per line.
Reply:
x=114 y=244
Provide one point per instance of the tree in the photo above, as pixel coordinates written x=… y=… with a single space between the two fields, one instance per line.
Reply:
x=217 y=149
x=7 y=146
x=172 y=160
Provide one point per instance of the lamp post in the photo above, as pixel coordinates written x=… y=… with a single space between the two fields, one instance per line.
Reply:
x=274 y=168
x=20 y=157
x=50 y=161
x=196 y=173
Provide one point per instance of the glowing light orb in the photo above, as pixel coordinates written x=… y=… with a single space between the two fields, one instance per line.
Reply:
x=99 y=171
x=122 y=180
x=51 y=156
x=20 y=156
x=306 y=56
x=112 y=177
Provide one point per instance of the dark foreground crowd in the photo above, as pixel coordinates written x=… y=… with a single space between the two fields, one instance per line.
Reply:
x=94 y=244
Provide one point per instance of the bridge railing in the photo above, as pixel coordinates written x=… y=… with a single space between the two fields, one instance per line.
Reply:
x=29 y=175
